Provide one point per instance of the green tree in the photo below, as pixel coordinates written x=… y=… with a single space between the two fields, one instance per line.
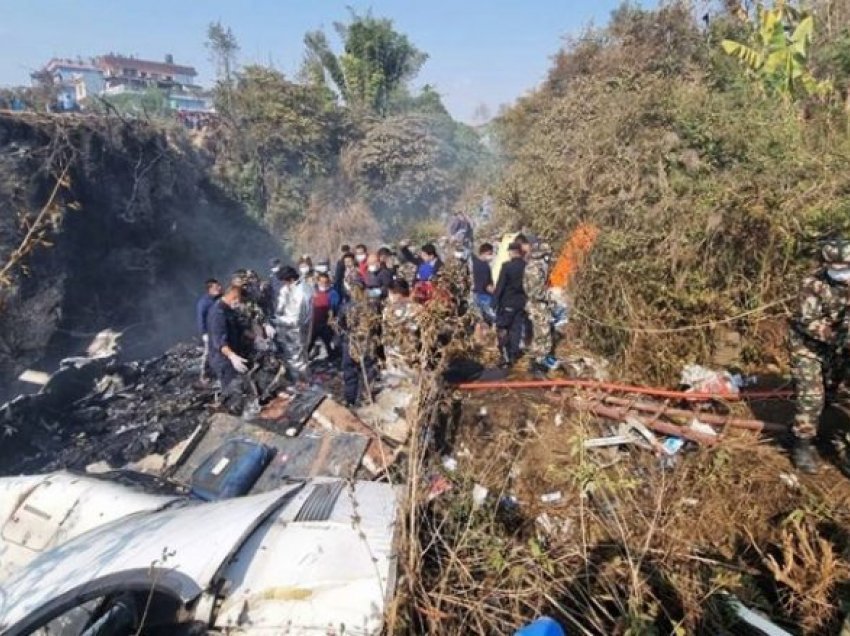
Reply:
x=279 y=137
x=779 y=55
x=223 y=48
x=376 y=61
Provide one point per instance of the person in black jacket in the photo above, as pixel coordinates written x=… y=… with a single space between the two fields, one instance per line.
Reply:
x=509 y=301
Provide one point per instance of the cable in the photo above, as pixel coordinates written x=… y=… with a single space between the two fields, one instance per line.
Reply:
x=705 y=325
x=624 y=388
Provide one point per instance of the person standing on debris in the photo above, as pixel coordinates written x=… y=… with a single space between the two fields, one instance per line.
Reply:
x=228 y=355
x=539 y=308
x=400 y=329
x=387 y=258
x=202 y=308
x=819 y=342
x=509 y=300
x=293 y=320
x=325 y=305
x=482 y=282
x=357 y=326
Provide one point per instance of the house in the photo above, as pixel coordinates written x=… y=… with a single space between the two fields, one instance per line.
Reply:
x=73 y=79
x=129 y=74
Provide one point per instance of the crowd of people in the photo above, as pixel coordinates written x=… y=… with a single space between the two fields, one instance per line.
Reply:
x=360 y=313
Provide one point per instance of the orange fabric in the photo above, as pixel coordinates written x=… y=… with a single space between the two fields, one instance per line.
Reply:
x=575 y=250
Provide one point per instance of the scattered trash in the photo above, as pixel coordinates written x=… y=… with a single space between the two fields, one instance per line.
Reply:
x=479 y=495
x=700 y=379
x=549 y=528
x=585 y=367
x=790 y=479
x=673 y=445
x=702 y=427
x=559 y=419
x=690 y=502
x=751 y=618
x=449 y=463
x=437 y=485
x=551 y=497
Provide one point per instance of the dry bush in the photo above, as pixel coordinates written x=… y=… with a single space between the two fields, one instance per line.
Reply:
x=808 y=572
x=710 y=197
x=632 y=547
x=334 y=219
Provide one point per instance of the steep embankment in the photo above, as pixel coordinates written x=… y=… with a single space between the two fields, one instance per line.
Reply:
x=123 y=242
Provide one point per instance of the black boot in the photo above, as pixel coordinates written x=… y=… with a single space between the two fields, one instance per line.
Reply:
x=804 y=457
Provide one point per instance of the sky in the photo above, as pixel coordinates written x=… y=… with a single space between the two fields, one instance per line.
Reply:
x=480 y=51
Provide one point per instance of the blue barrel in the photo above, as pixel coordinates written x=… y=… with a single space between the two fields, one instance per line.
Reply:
x=231 y=470
x=542 y=627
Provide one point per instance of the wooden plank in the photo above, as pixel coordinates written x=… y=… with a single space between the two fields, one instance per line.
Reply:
x=334 y=417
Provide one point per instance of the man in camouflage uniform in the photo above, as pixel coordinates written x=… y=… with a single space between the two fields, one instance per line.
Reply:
x=819 y=345
x=540 y=340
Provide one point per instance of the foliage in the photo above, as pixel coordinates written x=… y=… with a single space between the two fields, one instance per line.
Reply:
x=151 y=103
x=411 y=166
x=279 y=136
x=223 y=47
x=376 y=61
x=680 y=167
x=780 y=55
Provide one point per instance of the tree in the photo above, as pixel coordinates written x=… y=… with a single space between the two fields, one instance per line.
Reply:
x=223 y=48
x=780 y=52
x=376 y=61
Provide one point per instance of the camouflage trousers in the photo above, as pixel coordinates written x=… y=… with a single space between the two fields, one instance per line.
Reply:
x=540 y=320
x=815 y=373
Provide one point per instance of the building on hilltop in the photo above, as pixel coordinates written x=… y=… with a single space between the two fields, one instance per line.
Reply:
x=123 y=74
x=77 y=82
x=72 y=79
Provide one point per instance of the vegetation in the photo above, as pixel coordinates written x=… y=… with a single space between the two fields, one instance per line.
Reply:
x=349 y=135
x=651 y=132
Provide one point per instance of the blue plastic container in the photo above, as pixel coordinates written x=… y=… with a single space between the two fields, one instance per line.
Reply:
x=542 y=627
x=231 y=471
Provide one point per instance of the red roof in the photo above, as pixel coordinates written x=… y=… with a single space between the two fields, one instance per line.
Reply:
x=106 y=62
x=81 y=66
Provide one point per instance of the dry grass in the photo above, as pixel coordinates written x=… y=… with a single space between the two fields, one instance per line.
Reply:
x=631 y=547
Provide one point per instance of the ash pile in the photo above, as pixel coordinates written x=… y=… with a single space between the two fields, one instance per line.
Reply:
x=98 y=409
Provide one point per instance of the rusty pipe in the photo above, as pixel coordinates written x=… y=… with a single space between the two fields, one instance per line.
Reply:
x=709 y=418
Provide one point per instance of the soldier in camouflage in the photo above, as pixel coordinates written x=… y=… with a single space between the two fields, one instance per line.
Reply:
x=818 y=343
x=540 y=340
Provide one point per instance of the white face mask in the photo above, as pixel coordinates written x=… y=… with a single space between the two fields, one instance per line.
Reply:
x=461 y=256
x=360 y=257
x=839 y=275
x=322 y=269
x=323 y=288
x=373 y=268
x=304 y=270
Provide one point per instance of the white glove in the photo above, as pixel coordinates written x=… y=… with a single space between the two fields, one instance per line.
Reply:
x=239 y=363
x=206 y=338
x=270 y=331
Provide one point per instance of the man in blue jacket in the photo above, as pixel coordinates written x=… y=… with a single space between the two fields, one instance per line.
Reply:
x=202 y=308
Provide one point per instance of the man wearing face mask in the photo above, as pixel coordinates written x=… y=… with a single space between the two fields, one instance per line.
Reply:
x=293 y=320
x=818 y=341
x=361 y=255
